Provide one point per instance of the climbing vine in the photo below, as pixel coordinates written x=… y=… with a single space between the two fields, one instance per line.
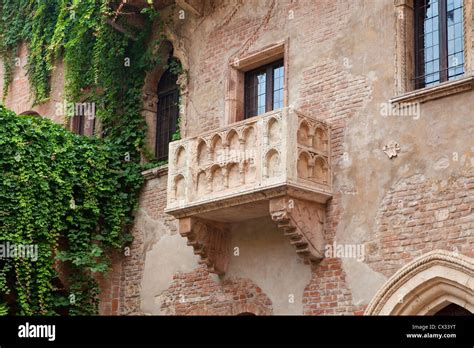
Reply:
x=175 y=67
x=73 y=197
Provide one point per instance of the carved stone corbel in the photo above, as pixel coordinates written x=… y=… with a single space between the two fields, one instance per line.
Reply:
x=303 y=222
x=210 y=240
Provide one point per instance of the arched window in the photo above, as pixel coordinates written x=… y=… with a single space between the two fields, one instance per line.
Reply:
x=30 y=113
x=167 y=113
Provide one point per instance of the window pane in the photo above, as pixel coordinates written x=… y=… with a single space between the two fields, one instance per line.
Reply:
x=264 y=89
x=261 y=93
x=278 y=86
x=454 y=16
x=428 y=43
x=255 y=93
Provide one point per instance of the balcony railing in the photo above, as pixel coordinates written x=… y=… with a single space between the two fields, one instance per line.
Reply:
x=249 y=161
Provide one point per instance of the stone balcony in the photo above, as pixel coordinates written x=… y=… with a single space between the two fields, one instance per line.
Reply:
x=275 y=164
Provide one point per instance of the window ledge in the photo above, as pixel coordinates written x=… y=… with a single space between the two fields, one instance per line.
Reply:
x=157 y=172
x=435 y=92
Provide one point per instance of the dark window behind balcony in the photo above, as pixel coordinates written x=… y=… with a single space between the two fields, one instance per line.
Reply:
x=439 y=40
x=264 y=89
x=167 y=113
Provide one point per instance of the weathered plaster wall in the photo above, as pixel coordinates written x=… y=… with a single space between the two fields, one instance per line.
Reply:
x=166 y=255
x=265 y=255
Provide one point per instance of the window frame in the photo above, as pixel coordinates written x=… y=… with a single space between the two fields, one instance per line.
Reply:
x=443 y=68
x=238 y=64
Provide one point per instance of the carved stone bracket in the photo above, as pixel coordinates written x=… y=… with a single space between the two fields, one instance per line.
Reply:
x=303 y=222
x=210 y=240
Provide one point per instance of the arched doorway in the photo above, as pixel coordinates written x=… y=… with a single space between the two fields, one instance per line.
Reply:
x=427 y=285
x=453 y=310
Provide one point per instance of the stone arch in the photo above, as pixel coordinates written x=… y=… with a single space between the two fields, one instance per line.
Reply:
x=181 y=54
x=250 y=172
x=303 y=165
x=165 y=52
x=233 y=141
x=320 y=171
x=426 y=285
x=217 y=148
x=30 y=113
x=202 y=184
x=272 y=163
x=180 y=158
x=320 y=142
x=217 y=181
x=249 y=309
x=233 y=175
x=179 y=187
x=453 y=310
x=273 y=130
x=179 y=50
x=304 y=134
x=202 y=153
x=150 y=92
x=249 y=135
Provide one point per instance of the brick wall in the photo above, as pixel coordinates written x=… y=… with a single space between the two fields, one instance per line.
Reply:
x=330 y=92
x=419 y=215
x=327 y=293
x=19 y=89
x=110 y=288
x=196 y=293
x=19 y=98
x=152 y=201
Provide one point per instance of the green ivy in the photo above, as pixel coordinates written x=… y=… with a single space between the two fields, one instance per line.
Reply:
x=14 y=27
x=71 y=196
x=175 y=67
